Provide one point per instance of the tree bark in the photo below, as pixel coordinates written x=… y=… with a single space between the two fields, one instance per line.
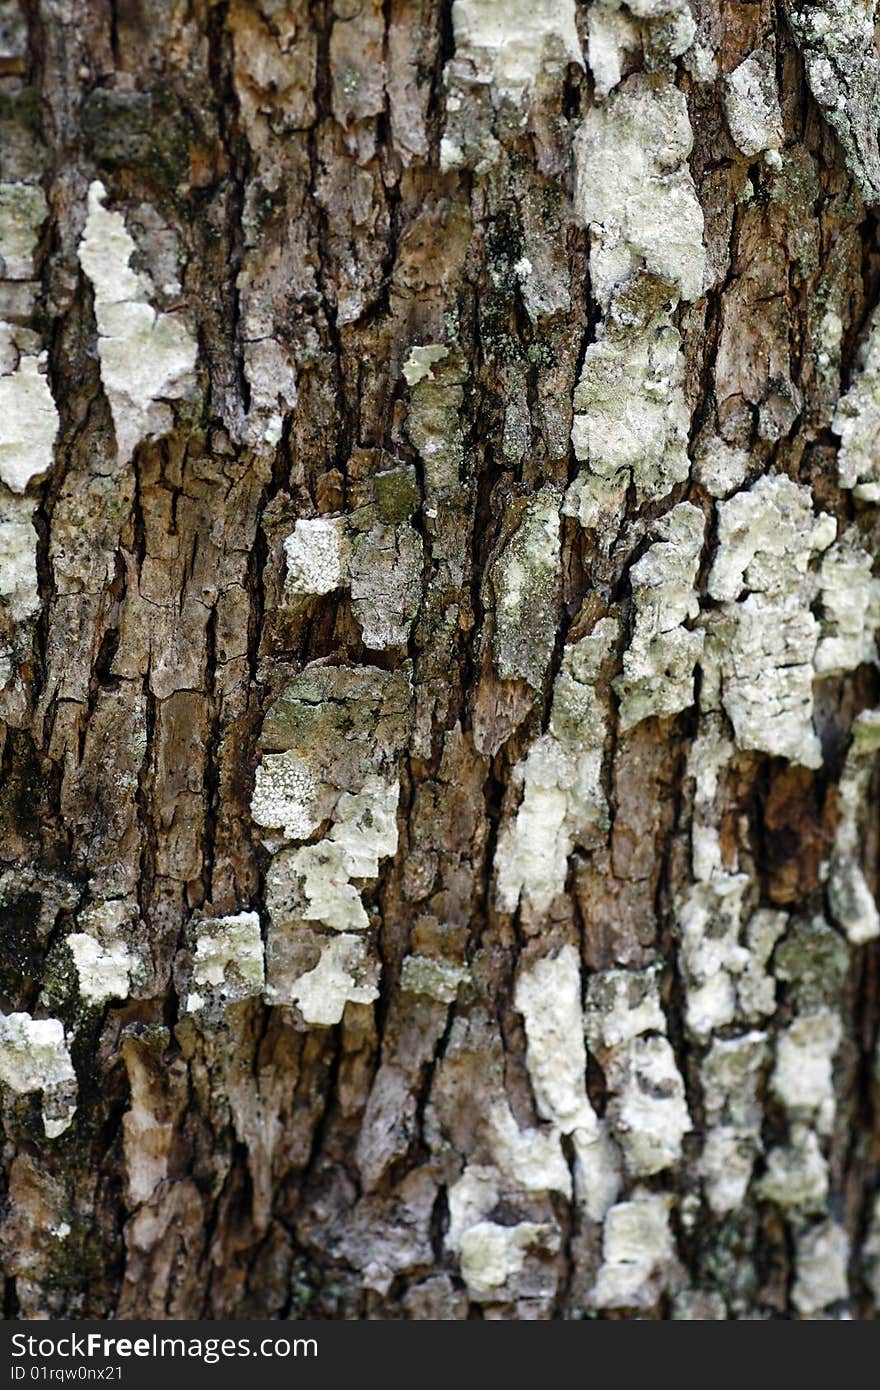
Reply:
x=440 y=457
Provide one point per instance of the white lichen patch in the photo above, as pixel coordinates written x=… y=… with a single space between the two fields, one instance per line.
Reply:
x=420 y=362
x=821 y=1260
x=850 y=609
x=563 y=800
x=510 y=42
x=658 y=666
x=621 y=1005
x=285 y=794
x=634 y=190
x=548 y=995
x=531 y=1158
x=638 y=1253
x=663 y=29
x=19 y=585
x=850 y=899
x=491 y=1254
x=648 y=1112
x=344 y=973
x=23 y=210
x=526 y=579
x=381 y=566
x=28 y=422
x=796 y=1177
x=803 y=1077
x=711 y=953
x=438 y=979
x=34 y=1057
x=730 y=1076
x=227 y=960
x=631 y=419
x=764 y=644
x=315 y=556
x=147 y=358
x=751 y=105
x=857 y=422
x=365 y=832
x=104 y=971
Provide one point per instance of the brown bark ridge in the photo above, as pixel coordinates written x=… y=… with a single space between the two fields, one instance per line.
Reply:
x=439 y=457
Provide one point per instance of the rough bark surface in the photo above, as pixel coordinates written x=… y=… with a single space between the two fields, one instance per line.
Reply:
x=440 y=458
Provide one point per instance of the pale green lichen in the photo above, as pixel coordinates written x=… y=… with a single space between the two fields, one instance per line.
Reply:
x=647 y=1110
x=147 y=358
x=850 y=899
x=385 y=579
x=662 y=29
x=28 y=421
x=803 y=1078
x=34 y=1056
x=23 y=210
x=631 y=419
x=730 y=1076
x=315 y=555
x=104 y=971
x=821 y=1260
x=621 y=1005
x=313 y=883
x=19 y=585
x=796 y=1177
x=438 y=979
x=420 y=362
x=548 y=995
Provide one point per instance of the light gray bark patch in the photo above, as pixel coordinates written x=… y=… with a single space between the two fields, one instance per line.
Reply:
x=527 y=582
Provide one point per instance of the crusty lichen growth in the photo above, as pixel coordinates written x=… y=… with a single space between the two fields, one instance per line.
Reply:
x=563 y=799
x=751 y=105
x=857 y=422
x=662 y=29
x=631 y=419
x=147 y=358
x=227 y=960
x=838 y=41
x=658 y=665
x=639 y=1258
x=34 y=1056
x=763 y=642
x=635 y=191
x=502 y=49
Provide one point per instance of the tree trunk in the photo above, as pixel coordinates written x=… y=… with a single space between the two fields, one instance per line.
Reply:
x=440 y=448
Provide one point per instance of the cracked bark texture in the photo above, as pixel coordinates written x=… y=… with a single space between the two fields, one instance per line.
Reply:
x=439 y=454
